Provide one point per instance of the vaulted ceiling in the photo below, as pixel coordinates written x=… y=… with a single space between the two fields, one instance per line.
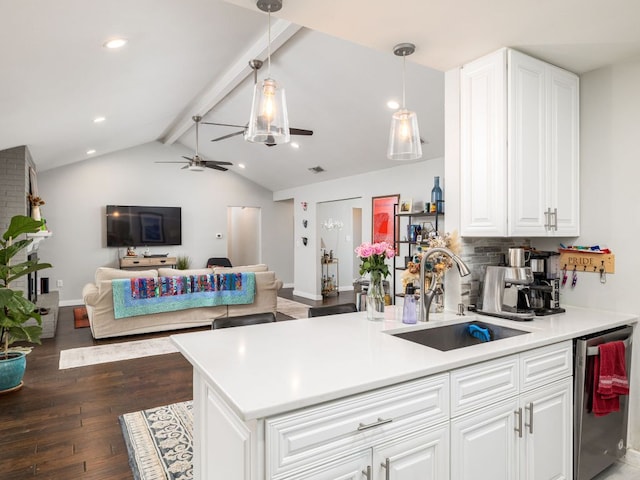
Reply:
x=191 y=57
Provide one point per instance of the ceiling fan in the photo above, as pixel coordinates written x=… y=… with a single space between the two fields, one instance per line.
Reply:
x=196 y=163
x=255 y=66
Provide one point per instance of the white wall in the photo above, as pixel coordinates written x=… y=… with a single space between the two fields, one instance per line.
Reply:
x=76 y=196
x=413 y=180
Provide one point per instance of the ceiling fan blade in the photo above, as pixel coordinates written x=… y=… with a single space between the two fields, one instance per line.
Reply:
x=216 y=162
x=224 y=137
x=300 y=131
x=186 y=166
x=216 y=167
x=224 y=124
x=188 y=158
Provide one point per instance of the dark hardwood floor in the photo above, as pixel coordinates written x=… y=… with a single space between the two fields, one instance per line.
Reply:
x=63 y=424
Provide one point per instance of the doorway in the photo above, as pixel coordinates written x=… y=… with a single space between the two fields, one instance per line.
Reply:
x=340 y=232
x=244 y=244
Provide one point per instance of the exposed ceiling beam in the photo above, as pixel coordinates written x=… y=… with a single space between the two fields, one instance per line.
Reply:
x=281 y=32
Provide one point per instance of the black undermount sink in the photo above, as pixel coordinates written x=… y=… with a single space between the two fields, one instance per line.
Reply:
x=455 y=336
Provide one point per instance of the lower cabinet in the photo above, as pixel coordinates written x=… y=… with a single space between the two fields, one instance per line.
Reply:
x=399 y=432
x=546 y=446
x=422 y=455
x=483 y=444
x=526 y=437
x=504 y=419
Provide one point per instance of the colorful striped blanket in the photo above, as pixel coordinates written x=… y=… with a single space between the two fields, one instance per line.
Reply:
x=143 y=296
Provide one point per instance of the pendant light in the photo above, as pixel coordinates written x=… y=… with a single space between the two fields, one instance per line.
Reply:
x=269 y=121
x=404 y=137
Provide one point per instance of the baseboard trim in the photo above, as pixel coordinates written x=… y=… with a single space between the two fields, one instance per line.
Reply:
x=310 y=296
x=71 y=303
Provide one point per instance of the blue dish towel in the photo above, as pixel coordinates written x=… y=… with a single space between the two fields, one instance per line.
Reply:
x=480 y=333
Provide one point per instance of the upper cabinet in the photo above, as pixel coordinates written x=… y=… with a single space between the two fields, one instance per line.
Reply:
x=519 y=172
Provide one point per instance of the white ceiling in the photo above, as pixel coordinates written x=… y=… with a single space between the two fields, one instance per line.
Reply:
x=190 y=57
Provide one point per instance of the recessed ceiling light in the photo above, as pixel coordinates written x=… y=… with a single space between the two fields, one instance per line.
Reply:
x=115 y=43
x=241 y=165
x=91 y=152
x=393 y=105
x=294 y=145
x=99 y=119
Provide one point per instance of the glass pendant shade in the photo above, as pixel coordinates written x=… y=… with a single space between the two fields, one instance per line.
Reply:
x=404 y=137
x=269 y=121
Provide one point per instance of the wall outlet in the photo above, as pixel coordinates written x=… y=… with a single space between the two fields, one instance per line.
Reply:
x=59 y=283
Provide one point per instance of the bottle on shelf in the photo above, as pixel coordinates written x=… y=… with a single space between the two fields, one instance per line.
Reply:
x=437 y=204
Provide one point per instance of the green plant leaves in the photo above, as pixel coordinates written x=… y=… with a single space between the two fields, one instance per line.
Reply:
x=21 y=224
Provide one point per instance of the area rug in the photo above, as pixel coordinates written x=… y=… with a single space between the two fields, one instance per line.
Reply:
x=160 y=442
x=80 y=317
x=292 y=309
x=81 y=357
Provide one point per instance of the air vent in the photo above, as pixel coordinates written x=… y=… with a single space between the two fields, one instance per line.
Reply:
x=317 y=169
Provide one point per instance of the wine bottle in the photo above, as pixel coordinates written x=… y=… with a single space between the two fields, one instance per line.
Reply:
x=436 y=196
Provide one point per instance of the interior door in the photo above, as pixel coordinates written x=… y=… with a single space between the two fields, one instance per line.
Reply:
x=243 y=235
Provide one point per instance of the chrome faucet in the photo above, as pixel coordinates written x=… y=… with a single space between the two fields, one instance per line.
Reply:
x=426 y=297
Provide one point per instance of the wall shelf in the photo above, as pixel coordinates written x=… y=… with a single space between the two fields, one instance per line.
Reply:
x=406 y=247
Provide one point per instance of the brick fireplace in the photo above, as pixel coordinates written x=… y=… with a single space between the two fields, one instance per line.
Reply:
x=14 y=188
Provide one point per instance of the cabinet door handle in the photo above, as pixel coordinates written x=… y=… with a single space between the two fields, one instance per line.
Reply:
x=530 y=424
x=519 y=427
x=381 y=421
x=367 y=472
x=555 y=219
x=385 y=465
x=547 y=221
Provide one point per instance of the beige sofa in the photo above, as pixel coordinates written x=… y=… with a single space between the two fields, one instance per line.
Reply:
x=98 y=298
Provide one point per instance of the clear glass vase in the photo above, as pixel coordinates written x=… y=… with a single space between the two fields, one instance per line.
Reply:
x=375 y=299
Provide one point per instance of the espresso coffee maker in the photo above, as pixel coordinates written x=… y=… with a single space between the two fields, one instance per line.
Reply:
x=545 y=289
x=506 y=290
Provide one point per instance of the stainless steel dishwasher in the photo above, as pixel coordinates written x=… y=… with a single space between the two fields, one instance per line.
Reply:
x=598 y=441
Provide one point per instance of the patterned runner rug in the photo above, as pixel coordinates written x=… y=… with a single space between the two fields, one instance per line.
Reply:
x=160 y=442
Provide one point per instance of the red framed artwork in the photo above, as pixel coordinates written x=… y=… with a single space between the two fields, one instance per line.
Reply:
x=382 y=218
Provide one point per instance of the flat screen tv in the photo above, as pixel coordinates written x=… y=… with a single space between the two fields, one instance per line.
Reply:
x=137 y=226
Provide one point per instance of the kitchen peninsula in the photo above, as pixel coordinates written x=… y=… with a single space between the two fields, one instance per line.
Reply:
x=341 y=397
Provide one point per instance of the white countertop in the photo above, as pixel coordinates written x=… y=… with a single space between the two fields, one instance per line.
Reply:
x=267 y=369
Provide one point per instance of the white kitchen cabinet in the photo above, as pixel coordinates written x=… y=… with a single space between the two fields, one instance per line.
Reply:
x=546 y=445
x=519 y=127
x=525 y=437
x=389 y=423
x=421 y=455
x=483 y=445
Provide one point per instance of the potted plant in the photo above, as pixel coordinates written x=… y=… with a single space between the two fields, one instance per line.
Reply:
x=183 y=262
x=15 y=309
